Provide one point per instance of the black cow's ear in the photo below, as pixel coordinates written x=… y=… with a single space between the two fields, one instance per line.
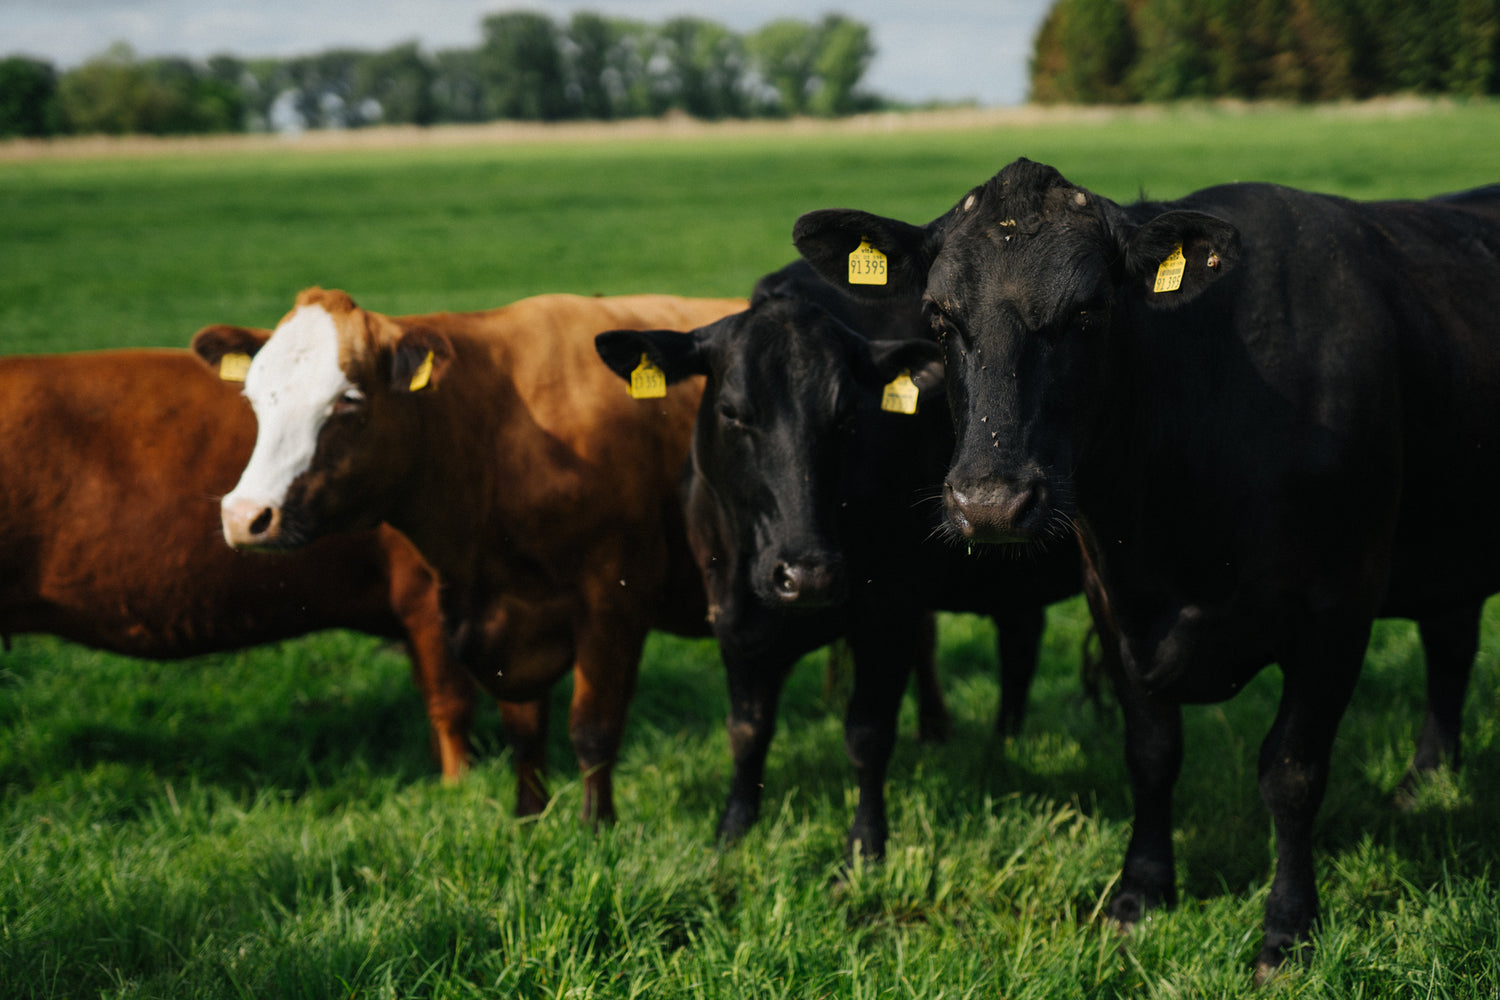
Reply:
x=419 y=360
x=228 y=349
x=675 y=353
x=868 y=256
x=922 y=358
x=1177 y=255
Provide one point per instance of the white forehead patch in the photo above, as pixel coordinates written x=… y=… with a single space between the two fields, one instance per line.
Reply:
x=292 y=384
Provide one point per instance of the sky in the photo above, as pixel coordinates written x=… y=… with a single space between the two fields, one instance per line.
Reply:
x=950 y=50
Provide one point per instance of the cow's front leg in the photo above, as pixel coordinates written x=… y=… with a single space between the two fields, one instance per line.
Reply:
x=1018 y=640
x=525 y=725
x=885 y=645
x=934 y=723
x=1153 y=757
x=1449 y=642
x=1319 y=675
x=604 y=676
x=755 y=686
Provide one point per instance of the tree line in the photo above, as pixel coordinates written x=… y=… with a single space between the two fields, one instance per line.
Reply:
x=527 y=67
x=1111 y=51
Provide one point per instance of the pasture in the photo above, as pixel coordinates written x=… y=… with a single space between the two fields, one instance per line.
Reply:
x=269 y=823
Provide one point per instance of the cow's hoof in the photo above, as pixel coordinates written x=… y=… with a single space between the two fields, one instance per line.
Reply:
x=1127 y=909
x=737 y=820
x=1277 y=960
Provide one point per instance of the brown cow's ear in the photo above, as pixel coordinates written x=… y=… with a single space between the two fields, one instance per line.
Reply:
x=1177 y=255
x=228 y=349
x=420 y=360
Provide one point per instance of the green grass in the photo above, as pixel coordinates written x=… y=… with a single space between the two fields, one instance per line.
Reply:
x=269 y=824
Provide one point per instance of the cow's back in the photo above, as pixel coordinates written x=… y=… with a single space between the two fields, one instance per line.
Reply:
x=111 y=467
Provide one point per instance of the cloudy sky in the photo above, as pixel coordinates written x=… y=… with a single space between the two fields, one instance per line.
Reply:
x=945 y=49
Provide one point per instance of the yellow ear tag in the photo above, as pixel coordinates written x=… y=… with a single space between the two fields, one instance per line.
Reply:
x=647 y=381
x=900 y=395
x=1169 y=275
x=866 y=265
x=423 y=374
x=232 y=367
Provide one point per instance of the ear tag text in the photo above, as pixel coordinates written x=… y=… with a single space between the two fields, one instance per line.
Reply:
x=423 y=375
x=232 y=367
x=1169 y=275
x=647 y=381
x=900 y=395
x=866 y=265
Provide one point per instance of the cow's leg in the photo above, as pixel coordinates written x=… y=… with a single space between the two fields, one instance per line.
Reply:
x=1153 y=757
x=1318 y=679
x=1019 y=641
x=604 y=675
x=448 y=692
x=934 y=724
x=525 y=725
x=885 y=645
x=1450 y=641
x=447 y=688
x=754 y=693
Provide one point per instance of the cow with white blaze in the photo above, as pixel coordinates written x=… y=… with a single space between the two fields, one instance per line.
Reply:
x=545 y=497
x=1270 y=416
x=111 y=466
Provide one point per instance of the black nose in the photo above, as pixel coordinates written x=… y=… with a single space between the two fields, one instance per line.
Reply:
x=994 y=513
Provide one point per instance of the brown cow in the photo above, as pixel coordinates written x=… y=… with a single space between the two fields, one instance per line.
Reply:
x=544 y=495
x=111 y=466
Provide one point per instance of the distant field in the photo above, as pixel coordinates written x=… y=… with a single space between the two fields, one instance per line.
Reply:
x=269 y=824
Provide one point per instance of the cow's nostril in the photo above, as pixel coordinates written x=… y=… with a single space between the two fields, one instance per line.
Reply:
x=784 y=579
x=262 y=522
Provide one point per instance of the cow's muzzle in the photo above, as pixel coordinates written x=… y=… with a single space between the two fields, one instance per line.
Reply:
x=251 y=524
x=996 y=514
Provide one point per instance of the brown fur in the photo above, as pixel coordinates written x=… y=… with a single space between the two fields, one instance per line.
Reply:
x=544 y=495
x=111 y=467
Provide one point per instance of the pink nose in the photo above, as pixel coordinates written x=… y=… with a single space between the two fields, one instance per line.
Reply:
x=250 y=523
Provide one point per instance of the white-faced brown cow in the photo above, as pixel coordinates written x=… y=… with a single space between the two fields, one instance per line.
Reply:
x=111 y=466
x=544 y=495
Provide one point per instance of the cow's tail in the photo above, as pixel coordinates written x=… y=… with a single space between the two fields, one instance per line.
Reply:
x=1091 y=668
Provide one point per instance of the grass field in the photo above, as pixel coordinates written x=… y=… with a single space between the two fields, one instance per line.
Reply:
x=269 y=824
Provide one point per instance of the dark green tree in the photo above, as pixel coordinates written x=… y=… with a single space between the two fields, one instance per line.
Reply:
x=844 y=51
x=521 y=61
x=28 y=98
x=707 y=67
x=785 y=53
x=1090 y=50
x=400 y=80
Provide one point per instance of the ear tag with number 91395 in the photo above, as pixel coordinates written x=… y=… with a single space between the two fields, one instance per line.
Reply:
x=647 y=381
x=1169 y=275
x=866 y=265
x=900 y=395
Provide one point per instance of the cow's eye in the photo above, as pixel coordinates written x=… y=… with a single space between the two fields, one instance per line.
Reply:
x=351 y=401
x=730 y=417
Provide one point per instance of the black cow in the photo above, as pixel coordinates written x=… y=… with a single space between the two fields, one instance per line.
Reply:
x=1270 y=416
x=814 y=514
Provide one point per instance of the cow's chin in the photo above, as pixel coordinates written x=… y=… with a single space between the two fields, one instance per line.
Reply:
x=980 y=532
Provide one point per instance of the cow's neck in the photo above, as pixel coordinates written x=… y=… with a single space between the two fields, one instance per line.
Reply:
x=1165 y=489
x=449 y=492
